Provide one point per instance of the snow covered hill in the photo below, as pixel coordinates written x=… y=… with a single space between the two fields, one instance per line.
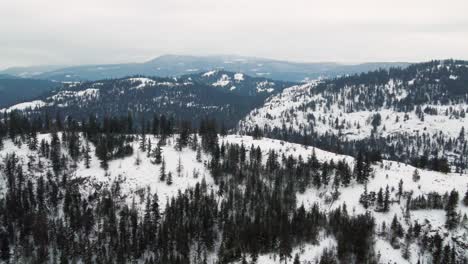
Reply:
x=240 y=83
x=137 y=174
x=222 y=95
x=385 y=173
x=134 y=173
x=425 y=103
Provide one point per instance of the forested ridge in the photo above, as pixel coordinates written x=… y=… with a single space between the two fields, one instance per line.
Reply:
x=415 y=114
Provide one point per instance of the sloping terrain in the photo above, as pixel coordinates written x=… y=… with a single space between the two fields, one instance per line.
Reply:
x=222 y=95
x=135 y=176
x=402 y=113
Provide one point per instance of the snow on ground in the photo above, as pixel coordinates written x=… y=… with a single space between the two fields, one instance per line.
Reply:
x=355 y=125
x=239 y=77
x=307 y=252
x=223 y=81
x=146 y=174
x=24 y=106
x=209 y=73
x=279 y=146
x=135 y=177
x=265 y=86
x=82 y=95
x=143 y=82
x=387 y=254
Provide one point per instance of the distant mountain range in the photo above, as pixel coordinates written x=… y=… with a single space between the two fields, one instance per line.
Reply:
x=177 y=65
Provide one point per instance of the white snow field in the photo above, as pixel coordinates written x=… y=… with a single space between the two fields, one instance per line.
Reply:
x=293 y=108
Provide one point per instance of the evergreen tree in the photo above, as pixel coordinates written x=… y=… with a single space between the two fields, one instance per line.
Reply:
x=380 y=199
x=386 y=205
x=416 y=176
x=296 y=259
x=257 y=133
x=55 y=153
x=359 y=169
x=451 y=210
x=437 y=248
x=400 y=189
x=162 y=171
x=5 y=248
x=157 y=154
x=149 y=147
x=143 y=140
x=179 y=168
x=86 y=155
x=198 y=155
x=169 y=178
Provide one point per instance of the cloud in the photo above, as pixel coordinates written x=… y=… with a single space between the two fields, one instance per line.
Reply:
x=109 y=31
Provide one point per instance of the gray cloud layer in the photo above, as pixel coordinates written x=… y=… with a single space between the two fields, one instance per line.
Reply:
x=108 y=31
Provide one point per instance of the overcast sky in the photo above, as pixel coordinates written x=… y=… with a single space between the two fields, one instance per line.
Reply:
x=36 y=32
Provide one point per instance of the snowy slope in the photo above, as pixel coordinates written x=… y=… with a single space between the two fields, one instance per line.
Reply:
x=133 y=177
x=385 y=173
x=293 y=108
x=418 y=110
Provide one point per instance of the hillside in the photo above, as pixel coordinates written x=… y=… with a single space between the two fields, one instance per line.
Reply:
x=412 y=115
x=210 y=198
x=222 y=95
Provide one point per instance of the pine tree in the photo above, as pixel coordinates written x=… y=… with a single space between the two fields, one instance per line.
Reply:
x=359 y=169
x=194 y=142
x=143 y=140
x=198 y=157
x=157 y=154
x=155 y=209
x=257 y=133
x=55 y=153
x=179 y=168
x=33 y=141
x=138 y=159
x=149 y=148
x=169 y=178
x=296 y=259
x=5 y=249
x=386 y=205
x=87 y=157
x=400 y=189
x=380 y=199
x=437 y=248
x=416 y=176
x=162 y=171
x=406 y=253
x=102 y=152
x=451 y=210
x=364 y=199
